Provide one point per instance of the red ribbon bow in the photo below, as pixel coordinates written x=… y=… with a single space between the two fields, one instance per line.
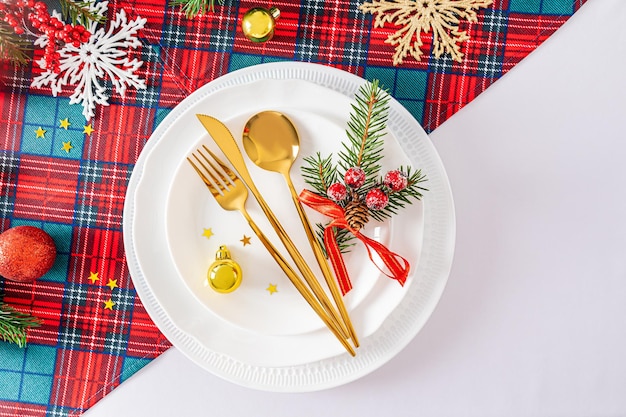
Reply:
x=396 y=264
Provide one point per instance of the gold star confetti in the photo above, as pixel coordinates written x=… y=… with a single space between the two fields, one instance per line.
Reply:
x=272 y=288
x=207 y=233
x=88 y=129
x=67 y=146
x=108 y=305
x=93 y=277
x=245 y=240
x=41 y=133
x=112 y=284
x=64 y=123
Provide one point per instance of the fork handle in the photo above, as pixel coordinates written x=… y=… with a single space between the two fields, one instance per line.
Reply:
x=300 y=286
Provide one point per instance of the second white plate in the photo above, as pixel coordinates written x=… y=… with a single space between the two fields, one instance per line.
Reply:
x=197 y=226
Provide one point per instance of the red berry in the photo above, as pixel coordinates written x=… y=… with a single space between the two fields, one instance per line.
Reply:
x=376 y=199
x=395 y=180
x=354 y=177
x=337 y=191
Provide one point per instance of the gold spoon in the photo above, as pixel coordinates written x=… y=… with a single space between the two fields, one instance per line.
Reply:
x=272 y=143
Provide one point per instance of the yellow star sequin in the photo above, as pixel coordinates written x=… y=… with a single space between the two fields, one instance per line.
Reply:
x=93 y=277
x=41 y=133
x=207 y=233
x=245 y=240
x=67 y=146
x=88 y=129
x=272 y=288
x=64 y=123
x=112 y=284
x=108 y=304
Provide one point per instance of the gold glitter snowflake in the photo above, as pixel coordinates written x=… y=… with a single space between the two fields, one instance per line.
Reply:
x=420 y=16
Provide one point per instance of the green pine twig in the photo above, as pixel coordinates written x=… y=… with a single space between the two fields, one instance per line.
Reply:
x=368 y=119
x=193 y=8
x=14 y=324
x=13 y=47
x=402 y=198
x=79 y=12
x=320 y=172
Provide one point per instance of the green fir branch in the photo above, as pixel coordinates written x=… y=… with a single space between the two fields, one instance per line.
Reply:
x=14 y=324
x=13 y=47
x=368 y=120
x=193 y=8
x=319 y=173
x=402 y=198
x=79 y=12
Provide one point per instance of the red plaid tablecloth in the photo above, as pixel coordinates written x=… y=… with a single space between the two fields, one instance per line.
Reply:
x=96 y=332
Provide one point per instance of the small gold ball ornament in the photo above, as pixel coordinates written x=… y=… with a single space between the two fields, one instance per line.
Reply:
x=258 y=23
x=224 y=274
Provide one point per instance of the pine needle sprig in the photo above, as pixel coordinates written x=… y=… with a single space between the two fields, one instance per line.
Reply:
x=193 y=8
x=320 y=172
x=13 y=47
x=14 y=324
x=402 y=198
x=79 y=12
x=368 y=119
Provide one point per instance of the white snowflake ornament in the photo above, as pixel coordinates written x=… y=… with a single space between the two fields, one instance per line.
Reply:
x=104 y=56
x=421 y=16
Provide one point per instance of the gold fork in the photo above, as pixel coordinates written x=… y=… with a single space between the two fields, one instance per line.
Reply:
x=231 y=194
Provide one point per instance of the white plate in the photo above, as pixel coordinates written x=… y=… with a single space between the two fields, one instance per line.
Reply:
x=191 y=209
x=278 y=361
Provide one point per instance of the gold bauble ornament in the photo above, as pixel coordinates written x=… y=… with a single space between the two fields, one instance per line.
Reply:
x=258 y=23
x=224 y=274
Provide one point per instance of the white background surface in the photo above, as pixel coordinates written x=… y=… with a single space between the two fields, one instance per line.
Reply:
x=533 y=320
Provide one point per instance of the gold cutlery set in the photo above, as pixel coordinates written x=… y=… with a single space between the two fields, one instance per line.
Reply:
x=271 y=142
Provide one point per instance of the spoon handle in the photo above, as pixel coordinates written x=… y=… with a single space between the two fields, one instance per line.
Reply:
x=321 y=260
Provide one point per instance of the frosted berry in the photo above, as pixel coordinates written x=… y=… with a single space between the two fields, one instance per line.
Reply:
x=395 y=180
x=354 y=177
x=337 y=191
x=376 y=199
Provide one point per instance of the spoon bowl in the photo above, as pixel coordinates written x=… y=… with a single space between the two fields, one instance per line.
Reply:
x=271 y=141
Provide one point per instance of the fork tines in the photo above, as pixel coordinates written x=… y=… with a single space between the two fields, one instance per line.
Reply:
x=218 y=176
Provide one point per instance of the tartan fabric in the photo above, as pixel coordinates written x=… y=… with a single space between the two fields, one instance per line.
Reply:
x=96 y=333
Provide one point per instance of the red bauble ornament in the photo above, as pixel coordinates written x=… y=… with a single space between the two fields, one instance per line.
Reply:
x=395 y=180
x=376 y=199
x=337 y=192
x=354 y=177
x=26 y=253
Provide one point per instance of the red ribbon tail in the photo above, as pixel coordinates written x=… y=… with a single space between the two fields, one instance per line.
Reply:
x=398 y=266
x=336 y=260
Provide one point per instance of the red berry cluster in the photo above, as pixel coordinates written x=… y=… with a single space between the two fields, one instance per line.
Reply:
x=376 y=198
x=12 y=14
x=58 y=33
